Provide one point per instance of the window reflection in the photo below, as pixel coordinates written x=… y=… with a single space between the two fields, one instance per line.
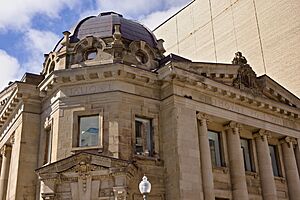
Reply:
x=275 y=160
x=247 y=155
x=215 y=150
x=143 y=137
x=88 y=130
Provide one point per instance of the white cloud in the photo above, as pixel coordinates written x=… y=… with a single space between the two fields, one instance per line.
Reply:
x=129 y=7
x=156 y=18
x=37 y=43
x=135 y=8
x=10 y=68
x=17 y=14
x=148 y=12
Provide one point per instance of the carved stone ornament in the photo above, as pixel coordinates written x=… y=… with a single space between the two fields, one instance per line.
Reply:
x=5 y=149
x=83 y=170
x=289 y=140
x=203 y=118
x=239 y=59
x=262 y=134
x=48 y=196
x=246 y=78
x=236 y=127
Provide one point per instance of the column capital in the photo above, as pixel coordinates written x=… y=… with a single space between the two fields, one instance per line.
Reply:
x=236 y=127
x=289 y=140
x=202 y=117
x=262 y=134
x=5 y=149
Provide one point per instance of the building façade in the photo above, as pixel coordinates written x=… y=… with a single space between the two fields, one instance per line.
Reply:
x=109 y=107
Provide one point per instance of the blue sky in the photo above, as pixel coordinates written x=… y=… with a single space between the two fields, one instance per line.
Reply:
x=31 y=28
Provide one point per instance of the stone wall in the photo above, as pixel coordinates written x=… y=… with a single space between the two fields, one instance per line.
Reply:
x=267 y=32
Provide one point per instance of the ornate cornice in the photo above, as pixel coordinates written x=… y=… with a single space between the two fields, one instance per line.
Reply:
x=92 y=74
x=181 y=77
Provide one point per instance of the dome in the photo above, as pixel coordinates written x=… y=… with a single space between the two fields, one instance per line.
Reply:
x=103 y=26
x=106 y=38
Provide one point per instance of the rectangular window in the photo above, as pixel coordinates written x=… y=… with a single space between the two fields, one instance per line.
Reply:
x=143 y=137
x=48 y=146
x=275 y=160
x=88 y=131
x=215 y=148
x=247 y=154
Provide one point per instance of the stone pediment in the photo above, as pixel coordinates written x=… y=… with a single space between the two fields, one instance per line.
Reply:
x=84 y=174
x=238 y=75
x=235 y=82
x=82 y=163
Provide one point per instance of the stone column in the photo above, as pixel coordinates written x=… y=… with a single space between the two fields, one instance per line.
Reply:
x=297 y=153
x=265 y=165
x=6 y=154
x=236 y=163
x=205 y=158
x=290 y=165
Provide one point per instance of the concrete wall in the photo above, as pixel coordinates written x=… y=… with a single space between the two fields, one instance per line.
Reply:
x=266 y=32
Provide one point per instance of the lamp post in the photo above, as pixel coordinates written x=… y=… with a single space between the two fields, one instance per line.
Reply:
x=145 y=187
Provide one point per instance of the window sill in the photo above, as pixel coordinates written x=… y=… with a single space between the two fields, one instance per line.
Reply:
x=45 y=164
x=224 y=170
x=150 y=158
x=281 y=179
x=253 y=174
x=78 y=149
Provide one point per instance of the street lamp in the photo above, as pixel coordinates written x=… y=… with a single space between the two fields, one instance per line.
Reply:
x=145 y=187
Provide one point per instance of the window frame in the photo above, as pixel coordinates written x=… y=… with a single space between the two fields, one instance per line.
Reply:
x=251 y=154
x=221 y=148
x=79 y=129
x=277 y=159
x=152 y=151
x=76 y=129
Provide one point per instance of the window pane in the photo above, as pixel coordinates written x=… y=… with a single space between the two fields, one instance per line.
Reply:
x=143 y=137
x=274 y=159
x=246 y=154
x=215 y=150
x=89 y=131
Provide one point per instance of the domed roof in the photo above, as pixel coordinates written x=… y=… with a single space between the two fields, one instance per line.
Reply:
x=103 y=26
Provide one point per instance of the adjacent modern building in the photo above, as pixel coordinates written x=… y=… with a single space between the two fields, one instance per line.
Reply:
x=109 y=107
x=267 y=32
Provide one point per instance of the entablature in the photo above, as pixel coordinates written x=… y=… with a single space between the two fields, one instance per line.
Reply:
x=106 y=72
x=176 y=75
x=23 y=92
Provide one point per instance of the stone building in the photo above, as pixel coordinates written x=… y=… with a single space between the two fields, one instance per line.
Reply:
x=267 y=32
x=109 y=107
